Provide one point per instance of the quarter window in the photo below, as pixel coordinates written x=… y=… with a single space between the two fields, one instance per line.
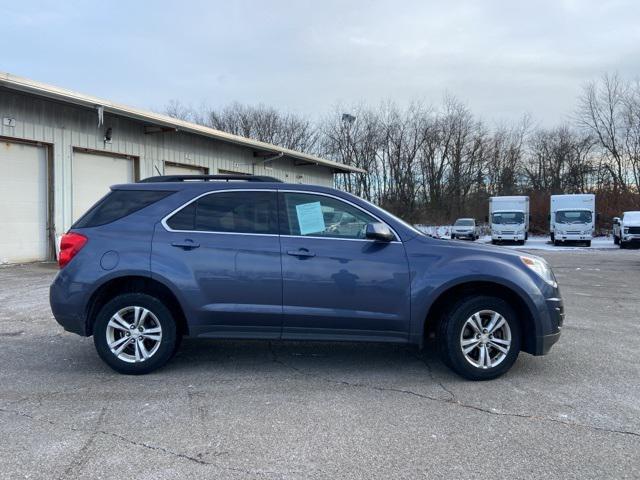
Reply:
x=229 y=212
x=319 y=216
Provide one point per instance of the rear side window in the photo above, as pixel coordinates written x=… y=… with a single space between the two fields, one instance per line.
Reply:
x=229 y=212
x=118 y=204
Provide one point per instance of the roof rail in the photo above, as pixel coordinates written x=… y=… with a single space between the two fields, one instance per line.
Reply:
x=208 y=178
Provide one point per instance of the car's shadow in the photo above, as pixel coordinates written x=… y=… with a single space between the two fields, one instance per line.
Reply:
x=304 y=357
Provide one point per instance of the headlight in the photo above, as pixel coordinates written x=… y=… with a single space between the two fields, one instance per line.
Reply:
x=541 y=268
x=587 y=232
x=626 y=229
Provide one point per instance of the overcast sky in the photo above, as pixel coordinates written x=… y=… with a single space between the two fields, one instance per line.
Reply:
x=503 y=58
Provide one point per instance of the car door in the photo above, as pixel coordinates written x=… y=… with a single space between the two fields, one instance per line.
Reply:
x=222 y=254
x=336 y=283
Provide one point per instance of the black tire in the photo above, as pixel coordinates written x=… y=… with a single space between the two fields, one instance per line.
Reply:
x=622 y=244
x=616 y=240
x=494 y=242
x=526 y=236
x=556 y=243
x=451 y=328
x=453 y=237
x=168 y=342
x=553 y=239
x=588 y=243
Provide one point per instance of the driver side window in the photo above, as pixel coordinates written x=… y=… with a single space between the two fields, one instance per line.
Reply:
x=303 y=214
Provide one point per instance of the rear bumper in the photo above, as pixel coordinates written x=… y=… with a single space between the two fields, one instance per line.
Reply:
x=65 y=308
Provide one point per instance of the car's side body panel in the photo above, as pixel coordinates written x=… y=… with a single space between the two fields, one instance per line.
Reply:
x=229 y=286
x=347 y=289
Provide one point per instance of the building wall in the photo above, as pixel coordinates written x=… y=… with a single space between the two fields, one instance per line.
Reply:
x=68 y=127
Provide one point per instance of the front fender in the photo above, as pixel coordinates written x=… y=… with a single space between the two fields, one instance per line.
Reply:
x=439 y=269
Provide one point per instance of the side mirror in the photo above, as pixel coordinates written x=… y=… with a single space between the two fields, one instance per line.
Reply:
x=379 y=231
x=616 y=220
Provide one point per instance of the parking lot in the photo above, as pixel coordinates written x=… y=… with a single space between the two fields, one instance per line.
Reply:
x=292 y=410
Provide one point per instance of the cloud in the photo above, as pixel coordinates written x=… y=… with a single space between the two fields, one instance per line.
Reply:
x=503 y=57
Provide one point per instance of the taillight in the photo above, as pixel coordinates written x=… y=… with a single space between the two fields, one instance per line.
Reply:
x=70 y=244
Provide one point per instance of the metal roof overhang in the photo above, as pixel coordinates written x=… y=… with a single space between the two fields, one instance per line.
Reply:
x=67 y=96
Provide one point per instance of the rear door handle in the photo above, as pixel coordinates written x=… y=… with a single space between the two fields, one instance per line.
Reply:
x=303 y=252
x=186 y=244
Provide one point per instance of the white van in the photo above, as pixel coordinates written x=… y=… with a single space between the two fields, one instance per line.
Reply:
x=509 y=217
x=572 y=218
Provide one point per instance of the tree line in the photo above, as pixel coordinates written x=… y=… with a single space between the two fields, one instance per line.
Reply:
x=433 y=163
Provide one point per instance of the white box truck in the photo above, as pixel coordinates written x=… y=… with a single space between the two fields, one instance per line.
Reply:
x=509 y=218
x=572 y=218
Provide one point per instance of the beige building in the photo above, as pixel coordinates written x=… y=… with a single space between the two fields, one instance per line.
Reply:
x=61 y=150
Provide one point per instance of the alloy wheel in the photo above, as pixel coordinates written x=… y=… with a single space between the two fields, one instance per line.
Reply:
x=485 y=339
x=133 y=334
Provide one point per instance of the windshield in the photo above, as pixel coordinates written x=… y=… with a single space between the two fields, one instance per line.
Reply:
x=507 y=218
x=464 y=222
x=573 y=216
x=633 y=216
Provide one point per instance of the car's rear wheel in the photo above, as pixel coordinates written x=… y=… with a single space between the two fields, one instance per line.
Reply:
x=135 y=333
x=480 y=337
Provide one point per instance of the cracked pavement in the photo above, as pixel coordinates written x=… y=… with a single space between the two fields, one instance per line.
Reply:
x=319 y=410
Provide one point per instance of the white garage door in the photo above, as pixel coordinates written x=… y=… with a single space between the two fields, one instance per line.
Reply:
x=172 y=169
x=93 y=174
x=23 y=199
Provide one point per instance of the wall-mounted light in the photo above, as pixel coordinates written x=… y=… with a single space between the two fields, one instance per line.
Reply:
x=107 y=135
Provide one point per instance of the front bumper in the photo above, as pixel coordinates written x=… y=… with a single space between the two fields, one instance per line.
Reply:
x=555 y=311
x=464 y=234
x=631 y=237
x=508 y=237
x=546 y=342
x=572 y=237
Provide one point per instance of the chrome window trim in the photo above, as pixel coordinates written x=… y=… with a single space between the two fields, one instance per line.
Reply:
x=163 y=222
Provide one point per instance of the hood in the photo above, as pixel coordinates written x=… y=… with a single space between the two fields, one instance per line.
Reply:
x=470 y=248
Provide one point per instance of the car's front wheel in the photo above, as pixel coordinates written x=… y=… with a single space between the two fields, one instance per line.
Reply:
x=135 y=333
x=479 y=337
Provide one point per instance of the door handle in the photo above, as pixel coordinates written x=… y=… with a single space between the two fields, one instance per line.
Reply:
x=303 y=252
x=186 y=244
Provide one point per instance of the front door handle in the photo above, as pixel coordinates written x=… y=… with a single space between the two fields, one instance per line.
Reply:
x=187 y=244
x=302 y=252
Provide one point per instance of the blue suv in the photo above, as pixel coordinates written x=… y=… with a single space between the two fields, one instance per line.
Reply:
x=250 y=257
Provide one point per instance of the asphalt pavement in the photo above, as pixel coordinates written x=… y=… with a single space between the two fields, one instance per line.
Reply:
x=319 y=410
